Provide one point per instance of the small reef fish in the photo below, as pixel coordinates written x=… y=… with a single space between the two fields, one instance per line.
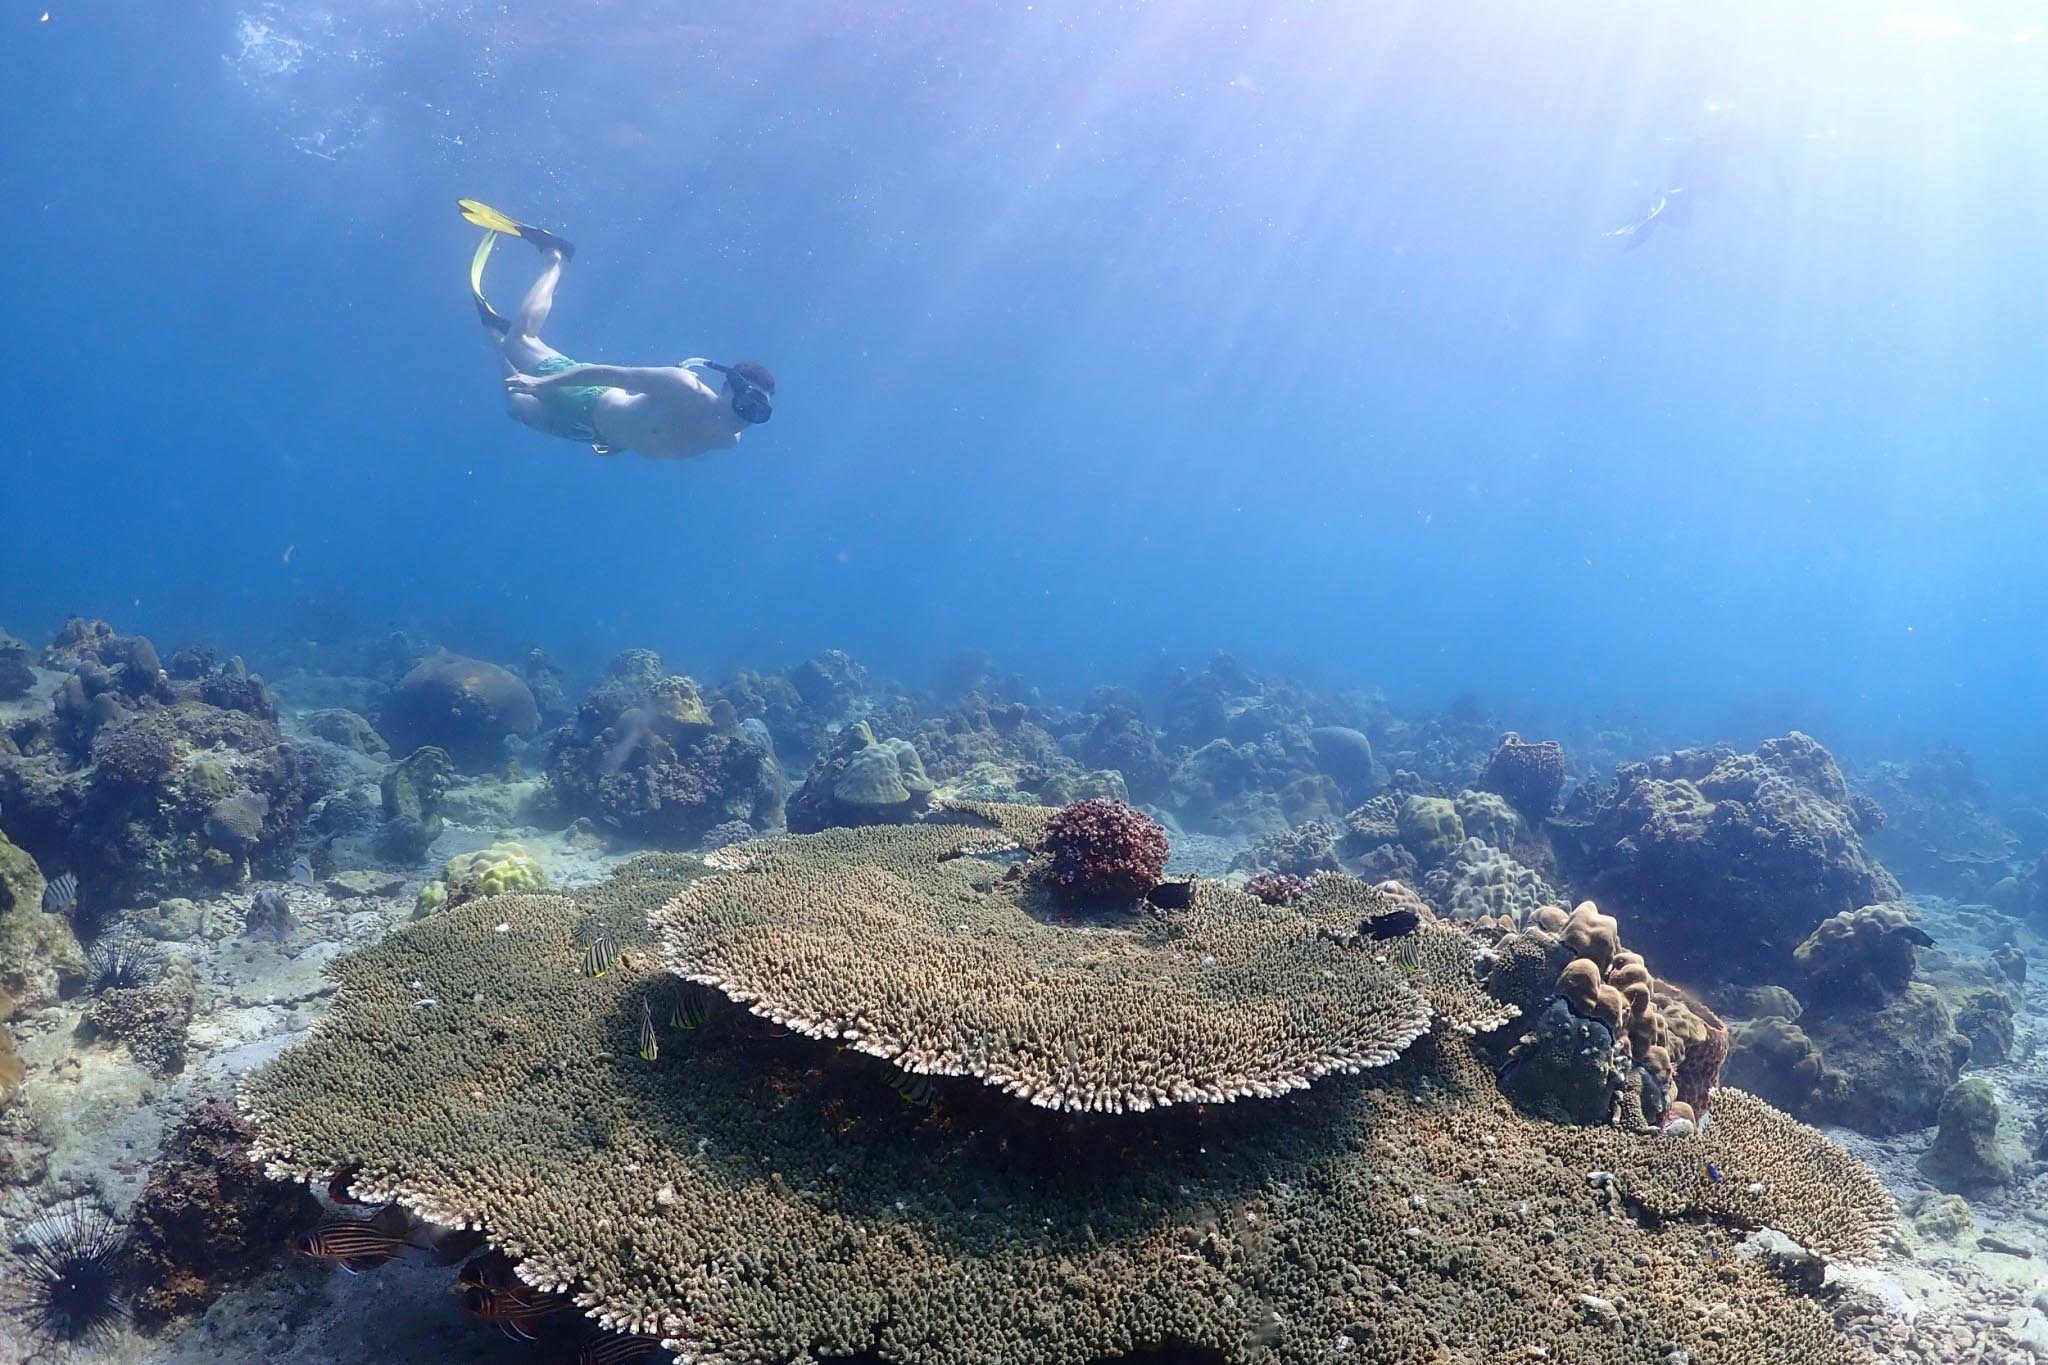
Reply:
x=650 y=1046
x=354 y=1244
x=1390 y=924
x=1172 y=895
x=609 y=1348
x=919 y=1091
x=492 y=1270
x=599 y=956
x=1917 y=936
x=302 y=870
x=1407 y=956
x=692 y=1008
x=337 y=1189
x=1713 y=1173
x=60 y=896
x=513 y=1311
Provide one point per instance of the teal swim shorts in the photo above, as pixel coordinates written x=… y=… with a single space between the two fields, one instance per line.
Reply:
x=568 y=410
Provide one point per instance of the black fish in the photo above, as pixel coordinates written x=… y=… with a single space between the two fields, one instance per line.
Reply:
x=1390 y=924
x=1914 y=934
x=61 y=894
x=1172 y=895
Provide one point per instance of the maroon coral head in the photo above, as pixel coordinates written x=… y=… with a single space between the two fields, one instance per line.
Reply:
x=1102 y=848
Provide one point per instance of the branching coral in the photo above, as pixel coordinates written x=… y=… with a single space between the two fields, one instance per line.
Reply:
x=1104 y=848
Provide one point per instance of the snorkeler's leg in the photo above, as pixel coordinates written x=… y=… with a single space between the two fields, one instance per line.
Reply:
x=540 y=299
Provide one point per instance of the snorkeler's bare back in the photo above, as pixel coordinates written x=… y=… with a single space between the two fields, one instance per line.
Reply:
x=671 y=422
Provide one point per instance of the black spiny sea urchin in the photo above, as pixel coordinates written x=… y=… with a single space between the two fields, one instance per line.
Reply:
x=123 y=964
x=63 y=1269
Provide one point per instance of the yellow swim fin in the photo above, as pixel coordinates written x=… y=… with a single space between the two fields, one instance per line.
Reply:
x=488 y=218
x=494 y=220
x=490 y=316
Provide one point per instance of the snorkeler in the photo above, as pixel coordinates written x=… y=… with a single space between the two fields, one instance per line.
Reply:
x=1723 y=161
x=665 y=412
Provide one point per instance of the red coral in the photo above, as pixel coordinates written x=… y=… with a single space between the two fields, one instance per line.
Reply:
x=1101 y=847
x=1277 y=888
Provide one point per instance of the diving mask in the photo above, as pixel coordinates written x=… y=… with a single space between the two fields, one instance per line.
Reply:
x=750 y=402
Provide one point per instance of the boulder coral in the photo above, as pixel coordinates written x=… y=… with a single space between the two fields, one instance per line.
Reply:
x=465 y=707
x=493 y=871
x=755 y=1195
x=1965 y=1155
x=1609 y=1037
x=1528 y=775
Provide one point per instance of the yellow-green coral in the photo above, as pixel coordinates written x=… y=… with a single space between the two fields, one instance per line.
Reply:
x=493 y=871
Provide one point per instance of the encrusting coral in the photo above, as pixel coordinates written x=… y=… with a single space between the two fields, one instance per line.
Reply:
x=753 y=1196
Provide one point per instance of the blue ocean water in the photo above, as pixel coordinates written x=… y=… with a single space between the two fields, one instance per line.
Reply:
x=1107 y=336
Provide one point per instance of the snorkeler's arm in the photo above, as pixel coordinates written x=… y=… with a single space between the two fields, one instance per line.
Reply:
x=631 y=378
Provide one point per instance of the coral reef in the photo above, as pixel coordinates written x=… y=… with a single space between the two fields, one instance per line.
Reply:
x=1940 y=835
x=758 y=1197
x=39 y=953
x=1965 y=1154
x=465 y=707
x=1528 y=775
x=645 y=757
x=148 y=786
x=1880 y=1068
x=1299 y=852
x=1103 y=848
x=861 y=780
x=1723 y=861
x=149 y=1017
x=208 y=1218
x=17 y=668
x=413 y=790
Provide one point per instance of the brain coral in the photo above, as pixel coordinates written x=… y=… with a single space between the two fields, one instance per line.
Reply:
x=762 y=1197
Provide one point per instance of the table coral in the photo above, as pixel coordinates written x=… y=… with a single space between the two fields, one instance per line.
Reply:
x=755 y=1197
